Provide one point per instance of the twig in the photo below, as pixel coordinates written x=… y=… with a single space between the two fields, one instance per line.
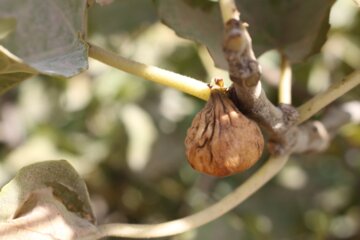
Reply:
x=250 y=186
x=285 y=81
x=182 y=83
x=315 y=136
x=321 y=100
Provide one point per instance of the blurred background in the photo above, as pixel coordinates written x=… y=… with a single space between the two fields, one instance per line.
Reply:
x=125 y=135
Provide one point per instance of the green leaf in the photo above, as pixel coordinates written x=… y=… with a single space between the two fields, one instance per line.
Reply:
x=298 y=28
x=48 y=35
x=121 y=16
x=203 y=25
x=58 y=176
x=12 y=70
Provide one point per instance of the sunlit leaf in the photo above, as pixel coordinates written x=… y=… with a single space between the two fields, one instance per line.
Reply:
x=48 y=35
x=59 y=176
x=43 y=217
x=12 y=70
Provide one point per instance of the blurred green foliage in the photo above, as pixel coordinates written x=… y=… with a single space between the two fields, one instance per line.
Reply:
x=125 y=135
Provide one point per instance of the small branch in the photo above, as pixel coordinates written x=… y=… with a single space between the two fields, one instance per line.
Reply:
x=321 y=100
x=315 y=136
x=182 y=83
x=285 y=81
x=250 y=186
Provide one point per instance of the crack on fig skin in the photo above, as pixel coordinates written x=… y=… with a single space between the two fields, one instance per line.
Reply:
x=221 y=140
x=211 y=158
x=205 y=114
x=226 y=110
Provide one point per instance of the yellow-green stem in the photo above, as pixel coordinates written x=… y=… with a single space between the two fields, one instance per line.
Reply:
x=335 y=91
x=182 y=83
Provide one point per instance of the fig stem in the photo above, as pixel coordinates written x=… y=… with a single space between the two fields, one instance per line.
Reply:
x=180 y=82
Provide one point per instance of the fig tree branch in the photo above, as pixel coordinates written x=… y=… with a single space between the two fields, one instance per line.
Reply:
x=246 y=91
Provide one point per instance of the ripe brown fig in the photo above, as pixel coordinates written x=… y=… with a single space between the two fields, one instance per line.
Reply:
x=221 y=140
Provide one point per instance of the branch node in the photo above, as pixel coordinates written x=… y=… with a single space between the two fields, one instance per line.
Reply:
x=290 y=114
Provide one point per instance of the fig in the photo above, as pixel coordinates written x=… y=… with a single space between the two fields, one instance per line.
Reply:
x=221 y=140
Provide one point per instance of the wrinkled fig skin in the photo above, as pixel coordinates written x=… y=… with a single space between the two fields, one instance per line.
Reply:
x=221 y=140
